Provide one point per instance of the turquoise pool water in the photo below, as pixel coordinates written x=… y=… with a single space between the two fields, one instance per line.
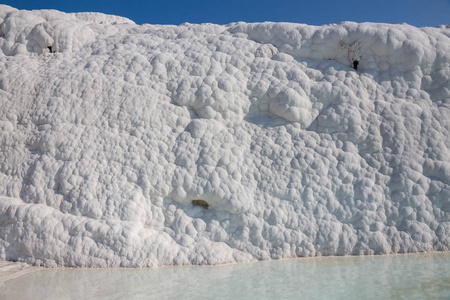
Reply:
x=412 y=276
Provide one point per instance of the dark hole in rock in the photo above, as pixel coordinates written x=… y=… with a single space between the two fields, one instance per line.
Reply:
x=201 y=203
x=355 y=64
x=50 y=49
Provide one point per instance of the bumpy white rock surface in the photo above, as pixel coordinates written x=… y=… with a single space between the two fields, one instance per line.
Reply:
x=300 y=140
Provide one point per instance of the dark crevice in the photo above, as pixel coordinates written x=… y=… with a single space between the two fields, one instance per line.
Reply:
x=355 y=64
x=201 y=203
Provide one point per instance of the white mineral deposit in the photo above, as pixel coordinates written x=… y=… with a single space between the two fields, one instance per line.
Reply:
x=146 y=145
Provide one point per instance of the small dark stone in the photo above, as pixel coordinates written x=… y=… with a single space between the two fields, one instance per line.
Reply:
x=201 y=203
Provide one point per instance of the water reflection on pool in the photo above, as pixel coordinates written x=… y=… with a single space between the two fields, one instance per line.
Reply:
x=413 y=276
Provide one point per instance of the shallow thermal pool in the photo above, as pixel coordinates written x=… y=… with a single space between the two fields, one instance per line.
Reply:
x=413 y=276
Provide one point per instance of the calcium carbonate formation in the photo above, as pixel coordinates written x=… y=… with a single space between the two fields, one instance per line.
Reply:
x=128 y=145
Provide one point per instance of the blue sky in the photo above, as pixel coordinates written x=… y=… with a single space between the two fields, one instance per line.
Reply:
x=314 y=12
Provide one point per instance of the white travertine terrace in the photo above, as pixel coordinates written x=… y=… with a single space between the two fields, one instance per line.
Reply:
x=146 y=145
